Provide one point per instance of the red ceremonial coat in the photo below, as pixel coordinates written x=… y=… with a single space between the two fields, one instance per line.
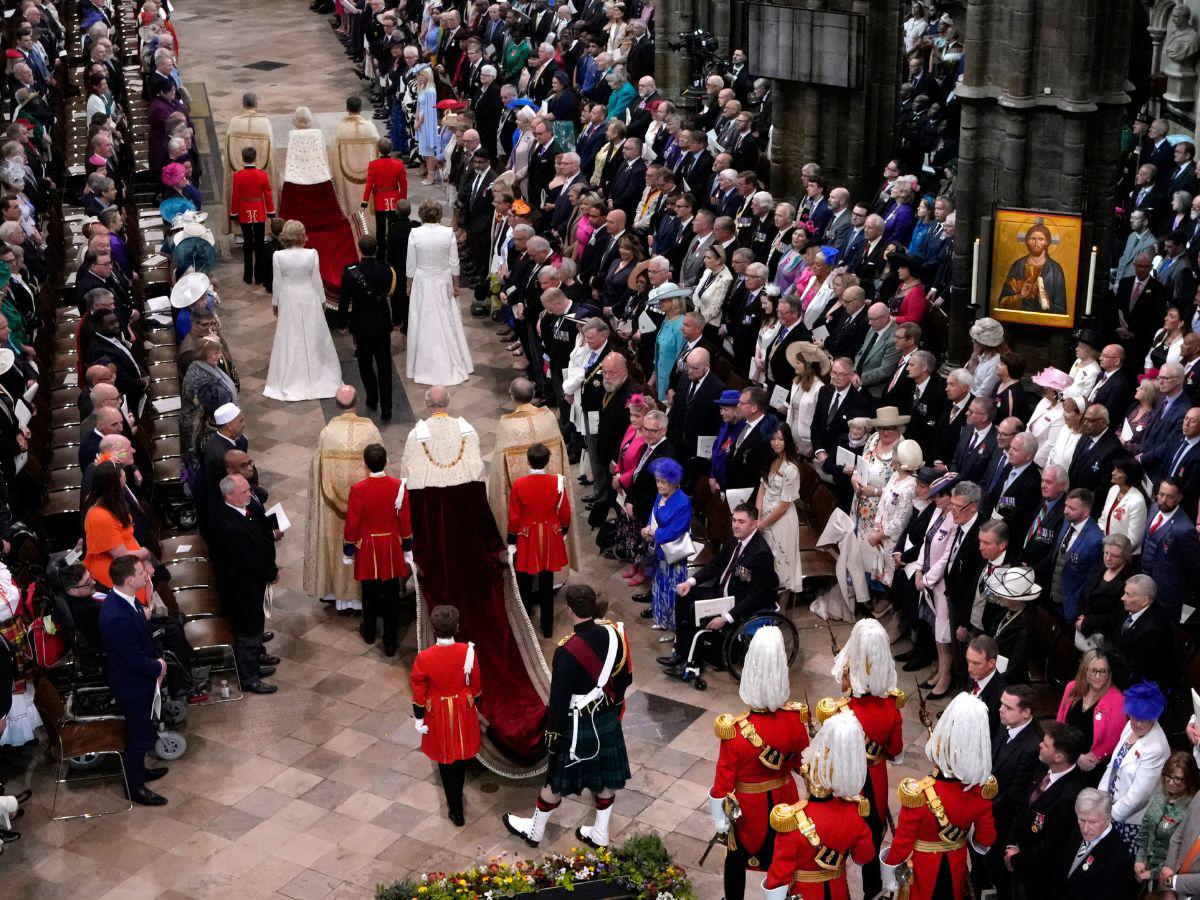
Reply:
x=387 y=178
x=742 y=771
x=377 y=528
x=538 y=514
x=918 y=831
x=250 y=200
x=839 y=828
x=440 y=686
x=884 y=726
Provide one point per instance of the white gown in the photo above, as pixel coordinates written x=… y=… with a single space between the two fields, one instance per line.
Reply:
x=304 y=362
x=437 y=347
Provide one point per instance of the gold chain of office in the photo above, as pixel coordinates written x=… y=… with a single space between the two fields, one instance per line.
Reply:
x=462 y=448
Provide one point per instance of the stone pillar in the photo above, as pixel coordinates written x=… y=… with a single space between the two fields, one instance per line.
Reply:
x=671 y=66
x=1039 y=130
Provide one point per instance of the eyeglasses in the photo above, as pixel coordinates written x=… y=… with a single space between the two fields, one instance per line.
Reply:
x=960 y=507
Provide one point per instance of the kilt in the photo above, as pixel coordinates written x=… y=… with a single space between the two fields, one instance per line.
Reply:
x=608 y=768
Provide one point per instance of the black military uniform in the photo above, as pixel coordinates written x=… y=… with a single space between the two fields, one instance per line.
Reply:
x=557 y=335
x=367 y=288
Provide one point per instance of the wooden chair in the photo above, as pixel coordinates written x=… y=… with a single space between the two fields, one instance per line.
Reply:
x=197 y=603
x=71 y=737
x=190 y=573
x=173 y=547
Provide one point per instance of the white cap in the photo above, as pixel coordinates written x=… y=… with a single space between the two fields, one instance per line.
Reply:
x=7 y=357
x=187 y=290
x=226 y=413
x=488 y=70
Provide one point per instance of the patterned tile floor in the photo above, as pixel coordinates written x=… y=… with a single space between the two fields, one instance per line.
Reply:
x=321 y=790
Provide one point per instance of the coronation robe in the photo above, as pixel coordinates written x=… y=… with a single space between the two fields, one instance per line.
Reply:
x=250 y=129
x=355 y=145
x=516 y=432
x=457 y=548
x=336 y=465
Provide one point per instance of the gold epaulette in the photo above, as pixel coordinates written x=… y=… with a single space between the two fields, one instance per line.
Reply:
x=827 y=706
x=912 y=792
x=797 y=707
x=563 y=642
x=899 y=697
x=989 y=788
x=864 y=805
x=783 y=816
x=726 y=726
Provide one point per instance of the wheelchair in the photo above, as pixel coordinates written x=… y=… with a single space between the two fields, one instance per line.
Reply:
x=736 y=643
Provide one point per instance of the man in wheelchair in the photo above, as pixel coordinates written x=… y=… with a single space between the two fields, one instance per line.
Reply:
x=745 y=570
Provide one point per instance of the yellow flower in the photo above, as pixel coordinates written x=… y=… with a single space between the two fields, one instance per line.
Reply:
x=421 y=890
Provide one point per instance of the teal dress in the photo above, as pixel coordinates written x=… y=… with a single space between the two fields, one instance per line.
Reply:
x=666 y=349
x=620 y=101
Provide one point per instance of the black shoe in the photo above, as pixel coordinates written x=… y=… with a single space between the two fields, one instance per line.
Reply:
x=268 y=636
x=941 y=695
x=146 y=797
x=259 y=687
x=585 y=480
x=674 y=671
x=916 y=665
x=389 y=650
x=906 y=655
x=155 y=774
x=591 y=498
x=646 y=613
x=7 y=835
x=23 y=797
x=641 y=598
x=385 y=416
x=266 y=671
x=380 y=115
x=266 y=659
x=368 y=635
x=458 y=819
x=673 y=660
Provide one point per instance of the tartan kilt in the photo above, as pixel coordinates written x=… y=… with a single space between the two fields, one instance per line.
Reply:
x=608 y=769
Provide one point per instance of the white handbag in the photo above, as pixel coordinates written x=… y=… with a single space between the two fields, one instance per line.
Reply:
x=679 y=549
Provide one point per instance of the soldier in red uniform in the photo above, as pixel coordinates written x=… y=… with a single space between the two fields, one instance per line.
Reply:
x=378 y=535
x=866 y=671
x=445 y=683
x=388 y=181
x=939 y=812
x=815 y=836
x=539 y=514
x=759 y=751
x=251 y=204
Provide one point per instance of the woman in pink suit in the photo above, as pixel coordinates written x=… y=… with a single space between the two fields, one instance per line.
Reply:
x=1094 y=705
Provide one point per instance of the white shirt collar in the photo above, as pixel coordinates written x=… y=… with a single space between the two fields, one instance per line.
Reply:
x=983 y=682
x=1054 y=776
x=132 y=601
x=750 y=423
x=1133 y=617
x=1013 y=732
x=445 y=642
x=237 y=509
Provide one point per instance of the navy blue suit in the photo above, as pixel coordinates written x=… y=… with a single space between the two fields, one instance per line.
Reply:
x=1165 y=426
x=1082 y=558
x=133 y=670
x=1169 y=555
x=972 y=464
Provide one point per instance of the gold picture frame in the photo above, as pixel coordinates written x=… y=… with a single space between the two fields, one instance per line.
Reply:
x=1034 y=278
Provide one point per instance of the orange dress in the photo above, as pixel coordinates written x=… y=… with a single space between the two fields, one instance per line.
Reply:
x=101 y=533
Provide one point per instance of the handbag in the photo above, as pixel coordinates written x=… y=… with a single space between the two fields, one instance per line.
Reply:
x=679 y=549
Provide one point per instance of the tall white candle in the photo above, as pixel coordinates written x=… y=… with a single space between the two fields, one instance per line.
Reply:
x=1087 y=310
x=975 y=273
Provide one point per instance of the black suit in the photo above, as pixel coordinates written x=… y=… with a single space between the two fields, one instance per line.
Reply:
x=990 y=696
x=1108 y=874
x=927 y=415
x=750 y=456
x=1115 y=394
x=1143 y=320
x=1039 y=541
x=627 y=185
x=697 y=173
x=643 y=489
x=1140 y=650
x=751 y=581
x=825 y=431
x=129 y=373
x=1014 y=766
x=962 y=576
x=1091 y=467
x=541 y=173
x=366 y=303
x=1041 y=830
x=487 y=119
x=245 y=550
x=972 y=464
x=1019 y=504
x=693 y=415
x=779 y=370
x=848 y=335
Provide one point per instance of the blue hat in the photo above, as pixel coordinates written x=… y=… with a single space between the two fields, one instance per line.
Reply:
x=729 y=398
x=1145 y=701
x=831 y=255
x=667 y=469
x=947 y=481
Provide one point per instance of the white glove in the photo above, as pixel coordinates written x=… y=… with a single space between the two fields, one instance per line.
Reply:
x=347 y=560
x=512 y=550
x=887 y=872
x=779 y=893
x=412 y=563
x=716 y=808
x=421 y=727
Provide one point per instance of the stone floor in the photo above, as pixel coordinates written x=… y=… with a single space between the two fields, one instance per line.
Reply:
x=321 y=790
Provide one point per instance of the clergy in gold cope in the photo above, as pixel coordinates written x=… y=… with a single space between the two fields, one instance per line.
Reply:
x=250 y=128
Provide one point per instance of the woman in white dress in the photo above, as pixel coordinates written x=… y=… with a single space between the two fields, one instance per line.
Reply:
x=889 y=429
x=1068 y=436
x=769 y=300
x=304 y=362
x=812 y=364
x=777 y=519
x=1125 y=507
x=892 y=513
x=437 y=346
x=1047 y=419
x=1086 y=368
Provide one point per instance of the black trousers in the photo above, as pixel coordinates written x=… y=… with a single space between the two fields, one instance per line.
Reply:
x=871 y=875
x=539 y=590
x=737 y=860
x=247 y=647
x=383 y=221
x=374 y=354
x=381 y=600
x=253 y=259
x=454 y=775
x=139 y=736
x=708 y=647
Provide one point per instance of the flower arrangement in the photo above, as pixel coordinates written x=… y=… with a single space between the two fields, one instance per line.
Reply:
x=641 y=862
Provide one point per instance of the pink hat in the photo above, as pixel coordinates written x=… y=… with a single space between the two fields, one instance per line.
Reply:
x=174 y=175
x=97 y=160
x=1053 y=379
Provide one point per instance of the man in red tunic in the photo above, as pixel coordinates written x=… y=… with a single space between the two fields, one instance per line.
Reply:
x=445 y=683
x=539 y=515
x=388 y=181
x=759 y=750
x=251 y=205
x=866 y=671
x=815 y=836
x=941 y=812
x=378 y=535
